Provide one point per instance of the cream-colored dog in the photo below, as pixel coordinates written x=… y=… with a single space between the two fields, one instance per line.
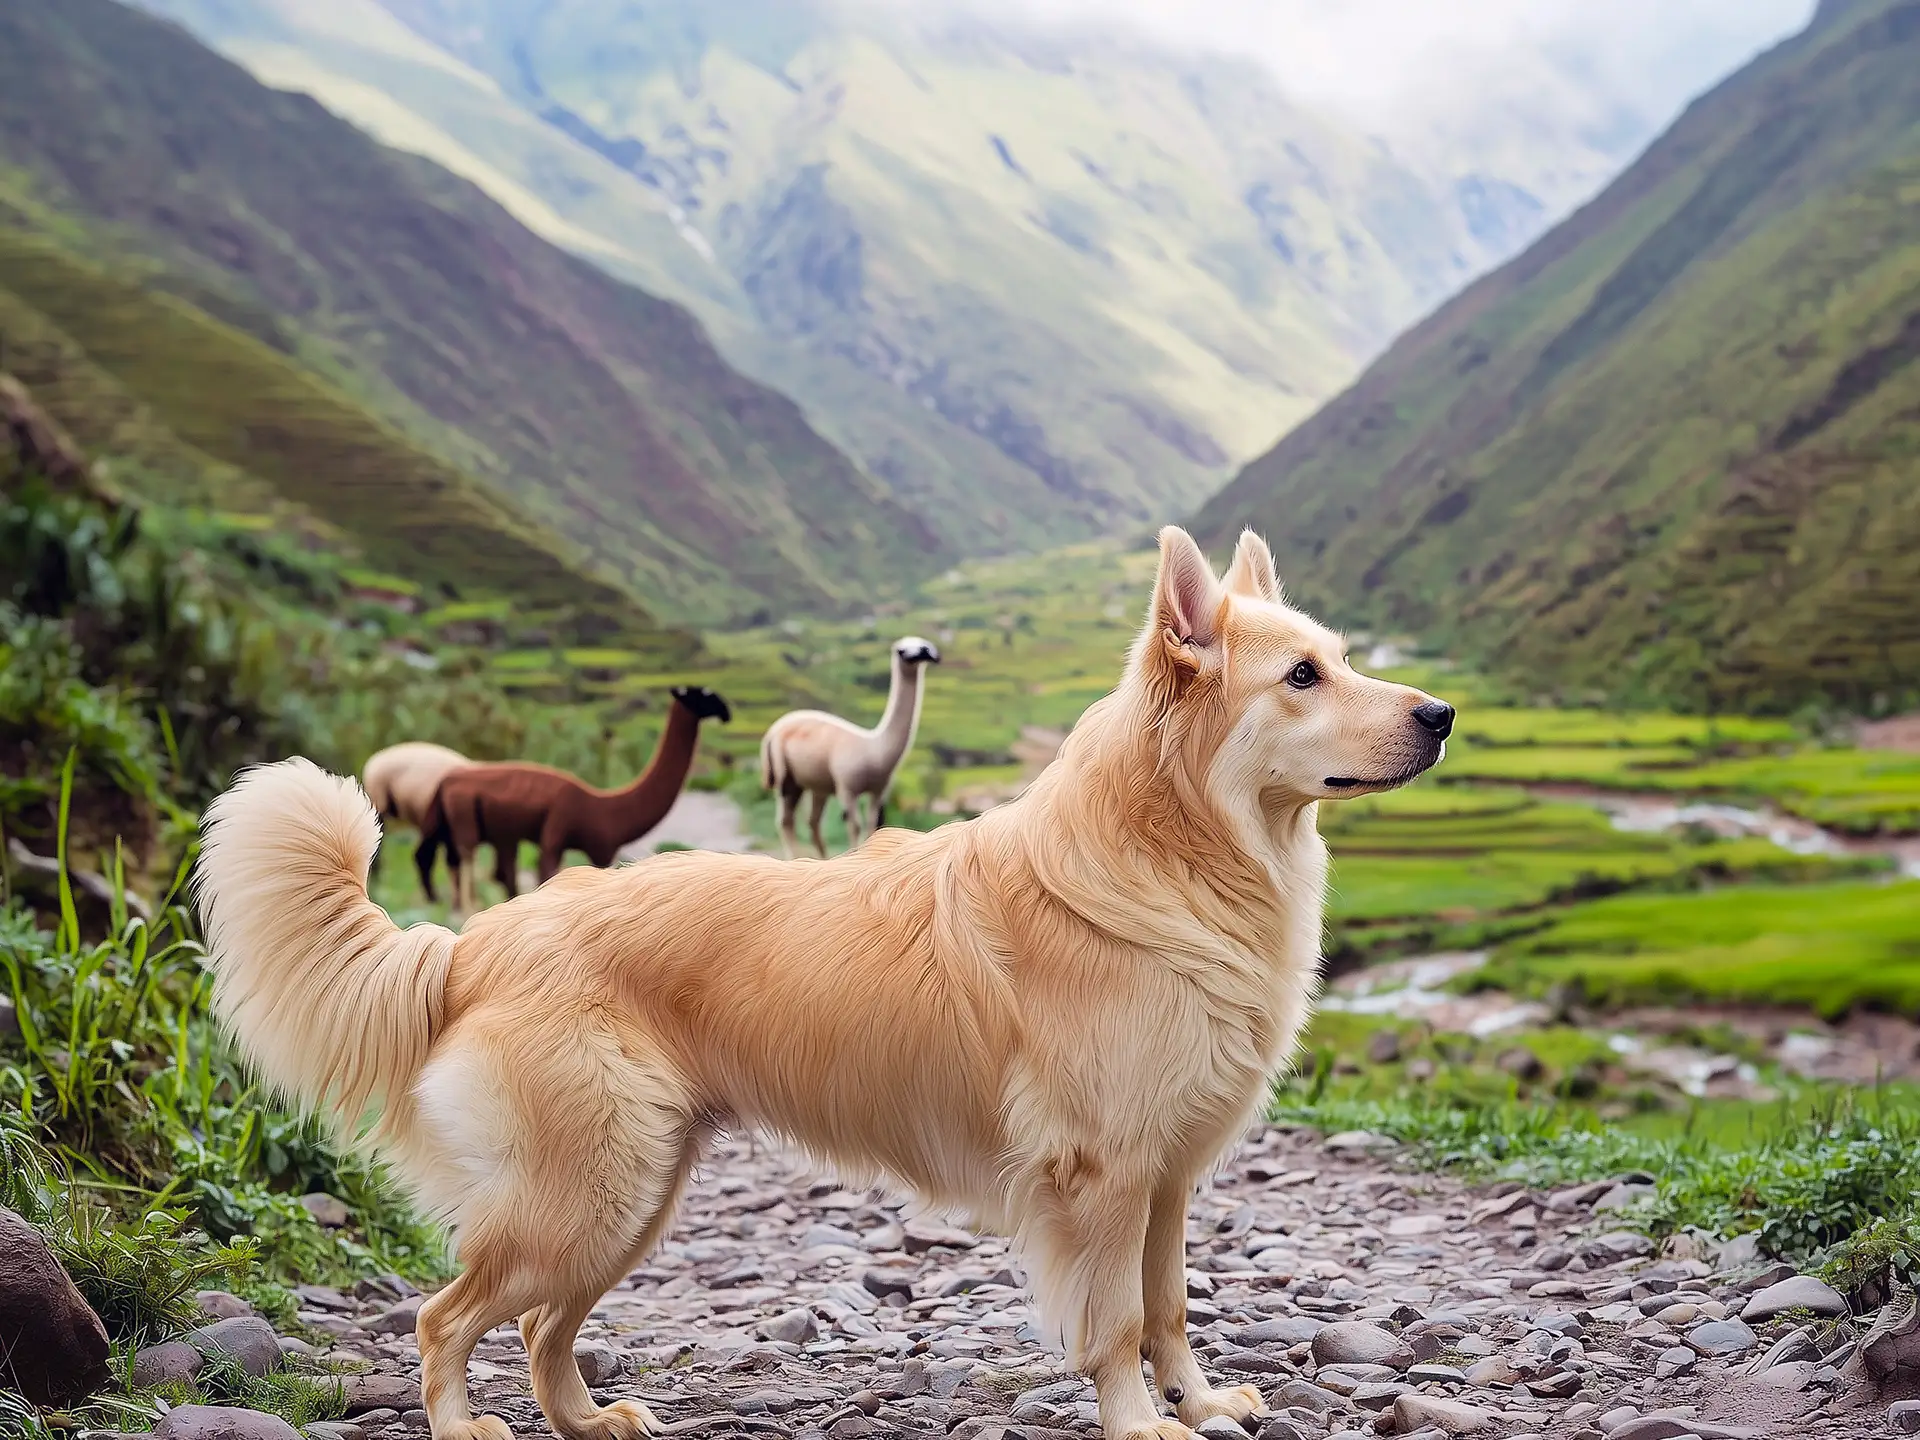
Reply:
x=1055 y=1017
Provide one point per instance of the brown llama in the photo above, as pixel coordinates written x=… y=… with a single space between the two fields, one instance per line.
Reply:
x=503 y=804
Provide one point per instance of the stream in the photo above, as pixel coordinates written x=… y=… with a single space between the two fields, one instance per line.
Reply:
x=1653 y=811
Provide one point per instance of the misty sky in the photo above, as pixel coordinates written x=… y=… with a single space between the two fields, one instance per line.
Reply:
x=1398 y=66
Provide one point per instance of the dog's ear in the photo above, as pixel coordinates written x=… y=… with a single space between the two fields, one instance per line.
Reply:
x=1252 y=573
x=1187 y=605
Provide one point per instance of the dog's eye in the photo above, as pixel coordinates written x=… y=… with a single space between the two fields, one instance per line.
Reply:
x=1303 y=676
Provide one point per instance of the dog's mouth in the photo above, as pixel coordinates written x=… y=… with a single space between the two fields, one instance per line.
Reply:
x=1387 y=782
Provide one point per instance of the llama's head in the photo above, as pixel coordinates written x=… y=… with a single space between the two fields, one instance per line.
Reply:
x=1253 y=697
x=702 y=703
x=911 y=650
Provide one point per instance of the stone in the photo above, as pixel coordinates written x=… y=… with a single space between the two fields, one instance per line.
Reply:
x=221 y=1422
x=1356 y=1342
x=1494 y=1370
x=1285 y=1330
x=1449 y=1417
x=1792 y=1377
x=1723 y=1339
x=1794 y=1345
x=887 y=1284
x=335 y=1430
x=1406 y=1227
x=1521 y=1063
x=794 y=1327
x=1219 y=1427
x=1903 y=1417
x=820 y=1236
x=1802 y=1292
x=1675 y=1360
x=922 y=1235
x=598 y=1362
x=1615 y=1246
x=54 y=1347
x=219 y=1305
x=1889 y=1353
x=299 y=1349
x=1672 y=1427
x=1623 y=1197
x=1556 y=1386
x=1379 y=1394
x=1737 y=1253
x=247 y=1340
x=1357 y=1142
x=1279 y=1427
x=326 y=1210
x=1445 y=1374
x=1613 y=1419
x=365 y=1393
x=1383 y=1047
x=397 y=1319
x=1306 y=1396
x=323 y=1297
x=168 y=1361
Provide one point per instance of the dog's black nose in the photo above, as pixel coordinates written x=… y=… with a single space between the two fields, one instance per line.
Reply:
x=1435 y=715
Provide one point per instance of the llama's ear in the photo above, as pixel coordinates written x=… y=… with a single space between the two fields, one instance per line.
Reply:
x=1252 y=573
x=1186 y=596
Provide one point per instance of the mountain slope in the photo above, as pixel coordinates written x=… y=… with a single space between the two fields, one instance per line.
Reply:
x=604 y=412
x=1041 y=287
x=1670 y=451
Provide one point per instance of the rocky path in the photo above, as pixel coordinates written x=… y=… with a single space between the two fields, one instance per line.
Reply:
x=1360 y=1299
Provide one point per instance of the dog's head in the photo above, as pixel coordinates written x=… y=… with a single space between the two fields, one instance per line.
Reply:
x=1260 y=698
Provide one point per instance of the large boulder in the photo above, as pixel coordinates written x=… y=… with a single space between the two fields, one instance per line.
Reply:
x=221 y=1422
x=53 y=1348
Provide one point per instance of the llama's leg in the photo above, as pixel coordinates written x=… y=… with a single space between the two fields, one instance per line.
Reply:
x=850 y=810
x=424 y=854
x=788 y=799
x=816 y=811
x=1088 y=1230
x=1164 y=1286
x=506 y=865
x=549 y=1332
x=460 y=877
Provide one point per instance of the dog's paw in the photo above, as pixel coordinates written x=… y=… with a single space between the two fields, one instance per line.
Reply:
x=1237 y=1404
x=1160 y=1430
x=622 y=1420
x=481 y=1427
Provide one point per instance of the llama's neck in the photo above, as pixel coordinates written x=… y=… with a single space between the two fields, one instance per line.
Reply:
x=626 y=815
x=894 y=734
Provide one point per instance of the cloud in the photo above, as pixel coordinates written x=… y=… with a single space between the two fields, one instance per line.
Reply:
x=1614 y=73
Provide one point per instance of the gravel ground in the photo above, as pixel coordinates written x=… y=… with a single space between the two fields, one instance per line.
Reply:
x=1359 y=1298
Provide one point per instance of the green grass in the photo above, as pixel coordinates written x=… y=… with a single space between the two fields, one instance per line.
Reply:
x=1828 y=947
x=1806 y=1178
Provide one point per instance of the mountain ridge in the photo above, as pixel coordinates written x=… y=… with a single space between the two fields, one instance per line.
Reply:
x=1587 y=467
x=601 y=410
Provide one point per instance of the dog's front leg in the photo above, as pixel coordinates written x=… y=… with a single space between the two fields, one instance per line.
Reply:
x=1164 y=1284
x=1089 y=1230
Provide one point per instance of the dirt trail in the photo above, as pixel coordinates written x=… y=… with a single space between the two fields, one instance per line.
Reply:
x=785 y=1306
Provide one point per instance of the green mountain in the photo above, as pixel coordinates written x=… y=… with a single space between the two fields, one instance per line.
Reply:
x=1041 y=287
x=315 y=281
x=1673 y=449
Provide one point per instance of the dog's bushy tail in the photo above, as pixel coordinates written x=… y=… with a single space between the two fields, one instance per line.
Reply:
x=333 y=1003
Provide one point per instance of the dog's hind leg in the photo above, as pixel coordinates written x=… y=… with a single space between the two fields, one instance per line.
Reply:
x=1164 y=1286
x=550 y=1329
x=487 y=1293
x=1087 y=1230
